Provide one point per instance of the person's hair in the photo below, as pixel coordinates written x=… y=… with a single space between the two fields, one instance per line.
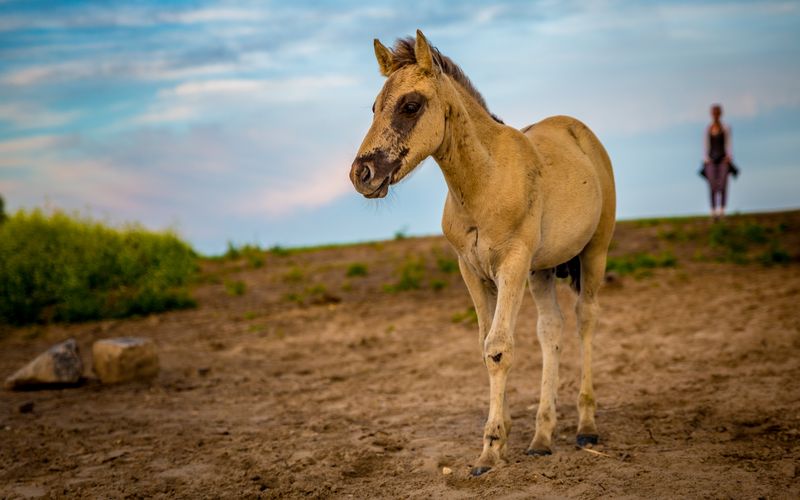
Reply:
x=716 y=106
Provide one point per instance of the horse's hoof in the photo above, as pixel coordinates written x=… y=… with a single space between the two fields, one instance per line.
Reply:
x=537 y=453
x=584 y=439
x=477 y=471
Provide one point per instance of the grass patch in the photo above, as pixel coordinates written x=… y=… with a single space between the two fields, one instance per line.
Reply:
x=740 y=243
x=774 y=255
x=446 y=264
x=438 y=285
x=279 y=251
x=356 y=269
x=294 y=275
x=316 y=294
x=468 y=315
x=640 y=263
x=253 y=254
x=411 y=274
x=61 y=267
x=235 y=288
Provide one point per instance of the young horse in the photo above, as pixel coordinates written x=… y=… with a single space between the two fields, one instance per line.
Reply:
x=523 y=206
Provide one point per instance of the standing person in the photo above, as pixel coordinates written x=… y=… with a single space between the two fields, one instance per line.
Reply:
x=718 y=161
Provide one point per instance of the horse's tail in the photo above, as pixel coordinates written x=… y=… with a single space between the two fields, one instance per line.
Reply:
x=571 y=269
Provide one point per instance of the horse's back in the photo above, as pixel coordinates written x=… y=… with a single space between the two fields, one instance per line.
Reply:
x=552 y=135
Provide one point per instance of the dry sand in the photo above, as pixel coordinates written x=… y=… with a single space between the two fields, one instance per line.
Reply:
x=370 y=394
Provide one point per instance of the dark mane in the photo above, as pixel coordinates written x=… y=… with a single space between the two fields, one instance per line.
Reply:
x=403 y=55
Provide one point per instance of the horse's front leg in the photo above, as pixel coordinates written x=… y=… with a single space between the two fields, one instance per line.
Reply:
x=498 y=354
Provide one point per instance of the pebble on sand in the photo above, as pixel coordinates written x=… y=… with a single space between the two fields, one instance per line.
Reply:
x=124 y=359
x=60 y=365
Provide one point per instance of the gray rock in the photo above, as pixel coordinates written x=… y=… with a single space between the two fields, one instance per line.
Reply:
x=59 y=365
x=124 y=359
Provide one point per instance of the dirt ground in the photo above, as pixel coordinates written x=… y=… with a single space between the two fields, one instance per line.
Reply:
x=292 y=389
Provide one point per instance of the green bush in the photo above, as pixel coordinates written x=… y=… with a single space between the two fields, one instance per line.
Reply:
x=469 y=315
x=736 y=242
x=774 y=255
x=252 y=253
x=411 y=274
x=235 y=288
x=72 y=268
x=356 y=269
x=2 y=210
x=637 y=262
x=446 y=264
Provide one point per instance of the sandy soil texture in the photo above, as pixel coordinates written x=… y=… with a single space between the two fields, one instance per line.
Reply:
x=313 y=383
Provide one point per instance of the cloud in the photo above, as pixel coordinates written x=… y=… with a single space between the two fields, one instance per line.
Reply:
x=30 y=144
x=24 y=116
x=127 y=16
x=282 y=197
x=213 y=99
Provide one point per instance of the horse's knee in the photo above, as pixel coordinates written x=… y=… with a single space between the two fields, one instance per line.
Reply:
x=498 y=351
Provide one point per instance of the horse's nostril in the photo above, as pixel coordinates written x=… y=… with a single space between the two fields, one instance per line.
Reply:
x=366 y=172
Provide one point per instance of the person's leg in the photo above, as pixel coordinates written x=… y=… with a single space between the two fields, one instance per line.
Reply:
x=723 y=187
x=711 y=177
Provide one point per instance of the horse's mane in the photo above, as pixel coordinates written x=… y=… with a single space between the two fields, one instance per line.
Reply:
x=403 y=55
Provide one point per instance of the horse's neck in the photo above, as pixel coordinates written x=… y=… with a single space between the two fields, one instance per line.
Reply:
x=465 y=153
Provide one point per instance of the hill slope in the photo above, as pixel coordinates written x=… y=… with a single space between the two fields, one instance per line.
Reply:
x=355 y=371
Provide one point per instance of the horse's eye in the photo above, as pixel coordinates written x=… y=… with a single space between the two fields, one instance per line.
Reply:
x=410 y=108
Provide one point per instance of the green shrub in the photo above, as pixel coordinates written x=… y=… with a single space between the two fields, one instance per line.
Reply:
x=637 y=262
x=235 y=288
x=3 y=216
x=294 y=275
x=735 y=242
x=438 y=285
x=775 y=255
x=279 y=251
x=356 y=269
x=446 y=264
x=411 y=274
x=469 y=315
x=71 y=268
x=252 y=253
x=232 y=253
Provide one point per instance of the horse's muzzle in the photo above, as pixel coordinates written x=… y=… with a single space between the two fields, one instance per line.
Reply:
x=372 y=174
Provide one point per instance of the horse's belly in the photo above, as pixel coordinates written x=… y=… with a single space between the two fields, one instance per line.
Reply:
x=567 y=226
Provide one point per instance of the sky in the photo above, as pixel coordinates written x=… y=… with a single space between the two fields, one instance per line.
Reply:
x=238 y=121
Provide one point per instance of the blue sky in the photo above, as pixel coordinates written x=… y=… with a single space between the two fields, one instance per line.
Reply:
x=239 y=120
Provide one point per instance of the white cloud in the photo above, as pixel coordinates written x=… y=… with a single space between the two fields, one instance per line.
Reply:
x=212 y=99
x=320 y=187
x=280 y=90
x=23 y=116
x=29 y=144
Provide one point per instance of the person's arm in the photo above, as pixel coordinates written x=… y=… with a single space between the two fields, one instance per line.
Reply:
x=707 y=142
x=728 y=143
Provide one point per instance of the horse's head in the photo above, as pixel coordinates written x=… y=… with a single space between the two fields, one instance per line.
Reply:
x=408 y=121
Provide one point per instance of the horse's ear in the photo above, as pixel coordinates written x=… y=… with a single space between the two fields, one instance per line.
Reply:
x=422 y=52
x=384 y=57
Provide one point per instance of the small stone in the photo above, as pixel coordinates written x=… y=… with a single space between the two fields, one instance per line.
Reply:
x=124 y=359
x=59 y=365
x=447 y=471
x=26 y=407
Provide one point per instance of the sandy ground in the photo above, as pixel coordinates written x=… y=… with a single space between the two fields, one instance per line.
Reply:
x=365 y=393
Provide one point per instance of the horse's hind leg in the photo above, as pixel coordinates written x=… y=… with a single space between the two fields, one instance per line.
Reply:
x=593 y=265
x=548 y=329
